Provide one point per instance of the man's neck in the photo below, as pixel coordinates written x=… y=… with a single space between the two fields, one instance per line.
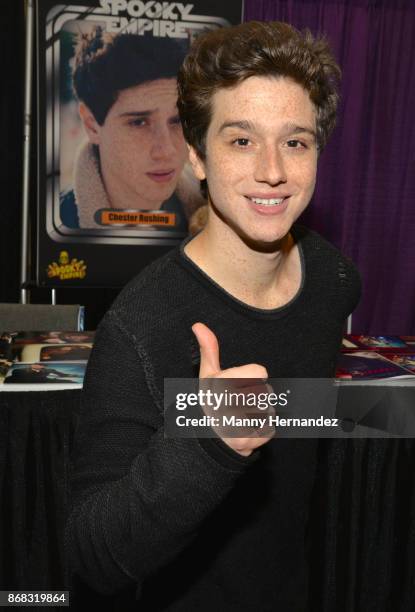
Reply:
x=261 y=279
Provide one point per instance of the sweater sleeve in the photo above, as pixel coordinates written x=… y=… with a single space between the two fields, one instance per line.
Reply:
x=137 y=497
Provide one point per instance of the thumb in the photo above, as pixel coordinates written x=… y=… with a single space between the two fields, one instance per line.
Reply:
x=209 y=350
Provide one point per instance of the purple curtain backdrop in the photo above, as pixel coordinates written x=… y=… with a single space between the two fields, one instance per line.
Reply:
x=365 y=197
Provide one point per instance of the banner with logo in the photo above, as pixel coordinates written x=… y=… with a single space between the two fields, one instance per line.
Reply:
x=115 y=189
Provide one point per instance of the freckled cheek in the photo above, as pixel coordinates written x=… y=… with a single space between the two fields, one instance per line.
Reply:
x=310 y=178
x=304 y=175
x=227 y=170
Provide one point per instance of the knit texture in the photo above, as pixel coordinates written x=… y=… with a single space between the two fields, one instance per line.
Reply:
x=192 y=523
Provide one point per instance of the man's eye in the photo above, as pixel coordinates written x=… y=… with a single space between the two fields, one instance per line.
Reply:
x=296 y=144
x=175 y=120
x=241 y=142
x=138 y=122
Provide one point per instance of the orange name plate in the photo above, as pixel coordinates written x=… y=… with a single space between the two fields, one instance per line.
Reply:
x=123 y=217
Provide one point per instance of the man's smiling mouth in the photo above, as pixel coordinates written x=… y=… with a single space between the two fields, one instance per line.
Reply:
x=267 y=201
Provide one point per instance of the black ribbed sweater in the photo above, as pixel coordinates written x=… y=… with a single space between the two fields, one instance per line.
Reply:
x=192 y=524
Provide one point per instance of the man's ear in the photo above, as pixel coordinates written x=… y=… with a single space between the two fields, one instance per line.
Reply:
x=92 y=127
x=197 y=164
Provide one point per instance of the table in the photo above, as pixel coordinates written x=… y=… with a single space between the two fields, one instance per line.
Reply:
x=361 y=532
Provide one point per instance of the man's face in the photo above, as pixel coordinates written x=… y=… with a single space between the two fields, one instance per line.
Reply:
x=261 y=157
x=141 y=146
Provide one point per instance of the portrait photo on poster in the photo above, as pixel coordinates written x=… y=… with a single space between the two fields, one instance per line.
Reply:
x=116 y=163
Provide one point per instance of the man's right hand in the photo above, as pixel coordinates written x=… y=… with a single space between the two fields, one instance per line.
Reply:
x=210 y=368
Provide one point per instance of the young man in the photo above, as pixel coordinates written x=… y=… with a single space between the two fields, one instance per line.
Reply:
x=135 y=153
x=214 y=524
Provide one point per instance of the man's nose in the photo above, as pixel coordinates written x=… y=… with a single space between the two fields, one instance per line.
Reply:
x=163 y=144
x=270 y=167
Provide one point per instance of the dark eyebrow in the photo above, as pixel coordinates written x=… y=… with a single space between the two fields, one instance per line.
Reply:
x=145 y=113
x=291 y=128
x=242 y=125
x=249 y=126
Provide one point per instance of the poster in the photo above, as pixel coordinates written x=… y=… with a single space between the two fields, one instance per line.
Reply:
x=115 y=189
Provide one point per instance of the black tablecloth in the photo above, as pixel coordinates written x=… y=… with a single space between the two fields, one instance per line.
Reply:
x=35 y=431
x=362 y=555
x=362 y=527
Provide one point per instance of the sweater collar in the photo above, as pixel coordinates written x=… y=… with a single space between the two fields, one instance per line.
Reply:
x=89 y=189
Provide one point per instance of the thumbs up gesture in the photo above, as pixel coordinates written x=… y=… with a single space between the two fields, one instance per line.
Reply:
x=210 y=368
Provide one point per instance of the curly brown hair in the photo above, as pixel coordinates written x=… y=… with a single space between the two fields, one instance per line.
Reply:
x=226 y=56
